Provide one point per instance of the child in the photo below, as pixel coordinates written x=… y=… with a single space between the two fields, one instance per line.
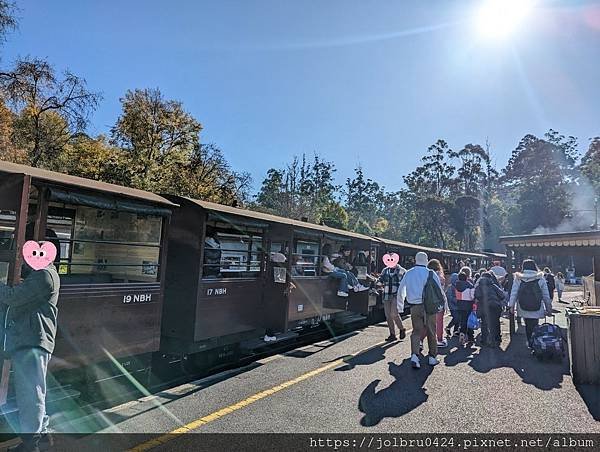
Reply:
x=464 y=292
x=560 y=286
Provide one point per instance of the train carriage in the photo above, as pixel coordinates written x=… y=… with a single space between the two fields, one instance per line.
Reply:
x=236 y=275
x=111 y=255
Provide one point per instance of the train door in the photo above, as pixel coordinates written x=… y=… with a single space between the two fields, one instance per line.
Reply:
x=277 y=279
x=309 y=289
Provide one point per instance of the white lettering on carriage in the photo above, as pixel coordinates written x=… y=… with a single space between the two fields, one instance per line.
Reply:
x=137 y=298
x=213 y=292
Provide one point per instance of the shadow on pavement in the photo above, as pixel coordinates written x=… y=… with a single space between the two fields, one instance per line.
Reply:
x=401 y=397
x=365 y=359
x=544 y=375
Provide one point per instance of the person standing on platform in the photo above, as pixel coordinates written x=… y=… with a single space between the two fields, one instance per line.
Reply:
x=29 y=337
x=389 y=281
x=551 y=281
x=411 y=288
x=465 y=297
x=453 y=327
x=530 y=295
x=490 y=300
x=436 y=266
x=560 y=286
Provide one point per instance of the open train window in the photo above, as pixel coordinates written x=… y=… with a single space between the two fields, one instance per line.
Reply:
x=100 y=246
x=305 y=258
x=232 y=251
x=7 y=228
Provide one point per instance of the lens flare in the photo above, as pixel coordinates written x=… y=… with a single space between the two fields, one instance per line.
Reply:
x=498 y=19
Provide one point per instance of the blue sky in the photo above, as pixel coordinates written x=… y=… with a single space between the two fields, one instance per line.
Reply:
x=370 y=82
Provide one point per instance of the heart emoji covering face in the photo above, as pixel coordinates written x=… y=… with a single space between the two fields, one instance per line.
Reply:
x=390 y=260
x=39 y=256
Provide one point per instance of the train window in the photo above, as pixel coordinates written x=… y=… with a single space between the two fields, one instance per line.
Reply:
x=103 y=246
x=305 y=258
x=7 y=227
x=232 y=252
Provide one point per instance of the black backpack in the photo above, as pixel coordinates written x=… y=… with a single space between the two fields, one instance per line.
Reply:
x=530 y=295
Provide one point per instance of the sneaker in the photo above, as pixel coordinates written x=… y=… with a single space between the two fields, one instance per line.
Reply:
x=390 y=338
x=443 y=343
x=402 y=334
x=414 y=360
x=360 y=288
x=267 y=338
x=462 y=338
x=432 y=361
x=341 y=293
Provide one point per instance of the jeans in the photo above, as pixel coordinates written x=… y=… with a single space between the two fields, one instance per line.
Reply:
x=347 y=279
x=463 y=317
x=490 y=322
x=530 y=325
x=342 y=277
x=454 y=322
x=30 y=367
x=392 y=316
x=422 y=322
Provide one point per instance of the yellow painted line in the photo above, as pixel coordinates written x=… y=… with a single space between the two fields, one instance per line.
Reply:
x=187 y=428
x=231 y=408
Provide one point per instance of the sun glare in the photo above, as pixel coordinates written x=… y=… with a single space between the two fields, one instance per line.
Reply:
x=498 y=19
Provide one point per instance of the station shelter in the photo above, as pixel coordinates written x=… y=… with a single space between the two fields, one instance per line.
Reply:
x=572 y=253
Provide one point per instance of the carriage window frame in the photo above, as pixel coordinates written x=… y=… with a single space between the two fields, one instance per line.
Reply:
x=314 y=266
x=256 y=239
x=72 y=246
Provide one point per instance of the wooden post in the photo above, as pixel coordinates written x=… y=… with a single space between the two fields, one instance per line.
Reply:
x=14 y=276
x=41 y=214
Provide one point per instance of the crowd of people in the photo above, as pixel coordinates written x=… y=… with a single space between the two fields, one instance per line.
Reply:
x=474 y=299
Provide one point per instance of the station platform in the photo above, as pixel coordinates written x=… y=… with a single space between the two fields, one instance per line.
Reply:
x=359 y=383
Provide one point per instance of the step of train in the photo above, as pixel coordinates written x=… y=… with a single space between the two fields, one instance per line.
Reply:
x=347 y=319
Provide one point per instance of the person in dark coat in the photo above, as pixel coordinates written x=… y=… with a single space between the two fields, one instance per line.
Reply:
x=29 y=333
x=490 y=300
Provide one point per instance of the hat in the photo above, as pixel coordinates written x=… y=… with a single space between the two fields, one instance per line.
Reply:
x=498 y=271
x=278 y=258
x=421 y=258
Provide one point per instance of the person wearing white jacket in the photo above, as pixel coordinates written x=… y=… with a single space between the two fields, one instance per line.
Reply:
x=530 y=274
x=411 y=287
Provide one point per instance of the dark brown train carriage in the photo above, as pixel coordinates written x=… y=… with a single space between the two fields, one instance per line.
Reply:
x=110 y=260
x=312 y=295
x=235 y=275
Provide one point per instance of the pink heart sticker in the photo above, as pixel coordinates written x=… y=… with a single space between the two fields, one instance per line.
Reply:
x=390 y=260
x=39 y=257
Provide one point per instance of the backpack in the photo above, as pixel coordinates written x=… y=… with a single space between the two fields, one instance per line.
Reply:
x=530 y=295
x=433 y=298
x=547 y=341
x=551 y=282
